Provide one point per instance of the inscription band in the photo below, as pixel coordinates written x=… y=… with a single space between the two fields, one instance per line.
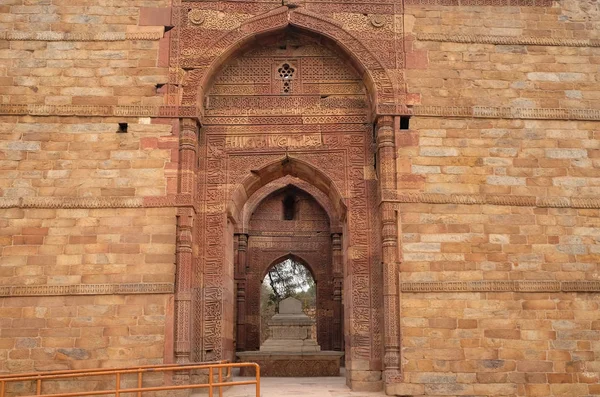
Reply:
x=86 y=289
x=190 y=111
x=508 y=40
x=390 y=197
x=64 y=36
x=501 y=286
x=504 y=200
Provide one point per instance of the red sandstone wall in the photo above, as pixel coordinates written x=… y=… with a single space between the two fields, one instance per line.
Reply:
x=501 y=344
x=502 y=216
x=452 y=59
x=67 y=72
x=489 y=156
x=504 y=225
x=73 y=332
x=86 y=266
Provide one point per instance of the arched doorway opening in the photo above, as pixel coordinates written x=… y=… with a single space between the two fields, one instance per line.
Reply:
x=287 y=278
x=288 y=228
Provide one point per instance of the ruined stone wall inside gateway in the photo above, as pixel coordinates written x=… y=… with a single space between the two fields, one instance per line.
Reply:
x=454 y=144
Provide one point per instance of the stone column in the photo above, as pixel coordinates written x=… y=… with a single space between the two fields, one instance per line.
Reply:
x=338 y=281
x=389 y=235
x=240 y=277
x=188 y=144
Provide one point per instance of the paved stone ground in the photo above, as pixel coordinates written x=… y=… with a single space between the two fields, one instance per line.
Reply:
x=298 y=387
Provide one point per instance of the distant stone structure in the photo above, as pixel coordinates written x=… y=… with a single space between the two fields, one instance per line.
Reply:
x=290 y=330
x=434 y=163
x=290 y=350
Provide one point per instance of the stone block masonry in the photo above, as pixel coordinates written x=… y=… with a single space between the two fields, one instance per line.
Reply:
x=86 y=267
x=78 y=332
x=451 y=148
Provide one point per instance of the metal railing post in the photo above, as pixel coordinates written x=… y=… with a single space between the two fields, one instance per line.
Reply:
x=220 y=381
x=118 y=385
x=257 y=379
x=2 y=388
x=38 y=387
x=210 y=382
x=139 y=394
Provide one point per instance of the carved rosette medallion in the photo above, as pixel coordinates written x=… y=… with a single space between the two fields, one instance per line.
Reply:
x=378 y=21
x=196 y=17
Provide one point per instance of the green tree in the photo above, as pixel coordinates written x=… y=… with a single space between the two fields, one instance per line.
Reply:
x=290 y=278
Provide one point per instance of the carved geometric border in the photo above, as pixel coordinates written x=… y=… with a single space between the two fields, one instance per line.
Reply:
x=468 y=3
x=287 y=120
x=505 y=200
x=99 y=110
x=501 y=286
x=62 y=36
x=388 y=196
x=507 y=112
x=89 y=289
x=508 y=40
x=72 y=202
x=191 y=111
x=97 y=202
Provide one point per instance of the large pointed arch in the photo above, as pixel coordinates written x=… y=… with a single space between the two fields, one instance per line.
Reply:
x=206 y=65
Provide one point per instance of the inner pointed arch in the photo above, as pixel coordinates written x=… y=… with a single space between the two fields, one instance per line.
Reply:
x=281 y=184
x=287 y=166
x=294 y=257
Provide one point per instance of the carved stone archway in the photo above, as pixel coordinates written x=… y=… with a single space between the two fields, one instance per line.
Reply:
x=321 y=133
x=206 y=62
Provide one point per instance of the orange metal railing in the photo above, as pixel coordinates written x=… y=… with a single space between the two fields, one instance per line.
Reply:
x=140 y=371
x=78 y=371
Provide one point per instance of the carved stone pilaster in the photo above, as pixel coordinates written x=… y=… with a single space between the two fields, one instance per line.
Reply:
x=188 y=147
x=389 y=234
x=338 y=281
x=240 y=275
x=336 y=249
x=183 y=285
x=242 y=259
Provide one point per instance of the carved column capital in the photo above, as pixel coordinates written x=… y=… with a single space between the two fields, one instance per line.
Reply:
x=385 y=121
x=189 y=134
x=242 y=242
x=188 y=150
x=336 y=241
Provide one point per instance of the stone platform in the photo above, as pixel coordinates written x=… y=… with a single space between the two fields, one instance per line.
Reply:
x=318 y=364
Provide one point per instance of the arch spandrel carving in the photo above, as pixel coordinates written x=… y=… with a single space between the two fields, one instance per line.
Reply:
x=205 y=62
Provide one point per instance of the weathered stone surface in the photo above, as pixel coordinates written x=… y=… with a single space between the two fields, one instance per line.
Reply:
x=293 y=364
x=462 y=244
x=291 y=306
x=290 y=330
